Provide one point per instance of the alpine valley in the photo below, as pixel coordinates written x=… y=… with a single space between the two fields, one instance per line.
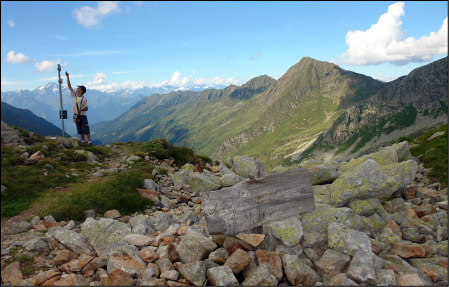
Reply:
x=315 y=110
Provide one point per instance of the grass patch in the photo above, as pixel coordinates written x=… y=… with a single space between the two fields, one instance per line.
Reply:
x=433 y=154
x=114 y=192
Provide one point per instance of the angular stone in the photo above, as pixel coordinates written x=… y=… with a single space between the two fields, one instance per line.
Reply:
x=164 y=265
x=333 y=262
x=347 y=240
x=221 y=276
x=141 y=225
x=20 y=227
x=131 y=265
x=194 y=272
x=117 y=277
x=314 y=239
x=400 y=266
x=107 y=235
x=230 y=179
x=289 y=230
x=138 y=240
x=161 y=221
x=74 y=241
x=319 y=219
x=78 y=264
x=194 y=247
x=365 y=207
x=341 y=280
x=324 y=173
x=390 y=233
x=253 y=239
x=368 y=180
x=238 y=261
x=402 y=150
x=37 y=244
x=96 y=263
x=385 y=277
x=219 y=256
x=299 y=272
x=361 y=268
x=113 y=214
x=151 y=185
x=44 y=276
x=170 y=275
x=12 y=274
x=71 y=280
x=231 y=244
x=148 y=255
x=152 y=270
x=410 y=280
x=62 y=257
x=273 y=261
x=248 y=167
x=435 y=268
x=260 y=276
x=149 y=194
x=409 y=249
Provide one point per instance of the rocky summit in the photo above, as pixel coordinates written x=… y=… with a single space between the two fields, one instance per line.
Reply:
x=378 y=220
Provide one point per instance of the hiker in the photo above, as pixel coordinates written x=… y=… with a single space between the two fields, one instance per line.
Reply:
x=79 y=108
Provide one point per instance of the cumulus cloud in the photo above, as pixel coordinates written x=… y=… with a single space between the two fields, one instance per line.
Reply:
x=100 y=82
x=91 y=17
x=19 y=58
x=10 y=23
x=99 y=79
x=384 y=42
x=48 y=66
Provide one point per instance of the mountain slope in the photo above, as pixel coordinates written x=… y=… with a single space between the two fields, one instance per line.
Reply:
x=410 y=103
x=25 y=119
x=263 y=118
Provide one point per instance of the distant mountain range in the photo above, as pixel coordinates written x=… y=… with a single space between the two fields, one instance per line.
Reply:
x=313 y=109
x=45 y=101
x=25 y=119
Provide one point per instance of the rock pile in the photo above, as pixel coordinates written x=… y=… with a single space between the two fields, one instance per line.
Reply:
x=378 y=220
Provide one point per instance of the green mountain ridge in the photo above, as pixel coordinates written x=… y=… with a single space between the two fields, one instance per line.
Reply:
x=270 y=120
x=25 y=119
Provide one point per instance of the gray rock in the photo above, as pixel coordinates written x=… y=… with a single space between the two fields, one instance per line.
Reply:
x=161 y=221
x=385 y=277
x=194 y=272
x=321 y=193
x=402 y=150
x=219 y=256
x=347 y=240
x=89 y=213
x=319 y=219
x=205 y=181
x=221 y=276
x=170 y=275
x=324 y=173
x=20 y=227
x=107 y=235
x=403 y=267
x=5 y=251
x=37 y=244
x=293 y=250
x=71 y=225
x=299 y=272
x=75 y=241
x=194 y=247
x=289 y=230
x=230 y=179
x=361 y=268
x=332 y=262
x=4 y=189
x=312 y=254
x=35 y=221
x=341 y=280
x=441 y=233
x=248 y=167
x=132 y=158
x=259 y=277
x=141 y=225
x=138 y=240
x=368 y=180
x=151 y=185
x=152 y=271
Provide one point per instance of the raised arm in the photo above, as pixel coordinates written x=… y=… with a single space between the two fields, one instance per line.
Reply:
x=68 y=81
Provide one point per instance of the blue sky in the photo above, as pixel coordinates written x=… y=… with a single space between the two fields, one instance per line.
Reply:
x=113 y=45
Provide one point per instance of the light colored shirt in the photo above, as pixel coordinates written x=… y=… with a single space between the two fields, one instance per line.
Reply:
x=82 y=103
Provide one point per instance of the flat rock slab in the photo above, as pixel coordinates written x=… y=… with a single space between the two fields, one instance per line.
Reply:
x=252 y=203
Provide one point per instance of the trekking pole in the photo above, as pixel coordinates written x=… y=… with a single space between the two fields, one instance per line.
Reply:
x=61 y=113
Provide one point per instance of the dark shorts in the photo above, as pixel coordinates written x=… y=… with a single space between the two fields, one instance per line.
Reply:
x=83 y=126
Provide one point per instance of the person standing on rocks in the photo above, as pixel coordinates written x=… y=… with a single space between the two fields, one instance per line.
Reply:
x=79 y=108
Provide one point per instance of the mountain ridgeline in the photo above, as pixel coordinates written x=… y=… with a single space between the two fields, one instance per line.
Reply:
x=314 y=108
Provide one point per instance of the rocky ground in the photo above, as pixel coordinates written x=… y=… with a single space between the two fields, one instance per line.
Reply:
x=378 y=220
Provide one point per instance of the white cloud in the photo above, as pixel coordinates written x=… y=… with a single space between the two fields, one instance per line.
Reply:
x=91 y=17
x=48 y=66
x=384 y=42
x=99 y=79
x=11 y=23
x=19 y=58
x=99 y=82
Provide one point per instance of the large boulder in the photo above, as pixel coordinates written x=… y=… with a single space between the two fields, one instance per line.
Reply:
x=107 y=235
x=368 y=180
x=248 y=167
x=402 y=150
x=205 y=181
x=383 y=157
x=323 y=214
x=289 y=230
x=346 y=240
x=194 y=247
x=74 y=241
x=324 y=173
